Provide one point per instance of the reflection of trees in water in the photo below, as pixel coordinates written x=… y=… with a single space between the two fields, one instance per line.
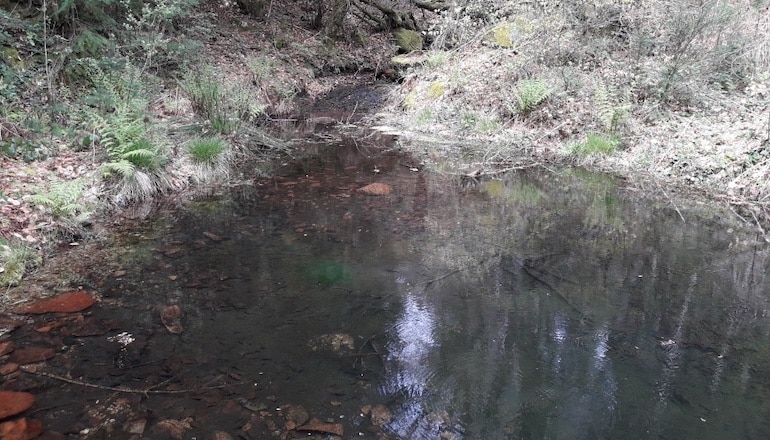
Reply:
x=553 y=323
x=630 y=297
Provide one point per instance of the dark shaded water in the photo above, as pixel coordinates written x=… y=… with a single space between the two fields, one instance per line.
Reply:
x=542 y=305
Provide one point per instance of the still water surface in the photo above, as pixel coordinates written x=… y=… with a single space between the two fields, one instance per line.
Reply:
x=539 y=305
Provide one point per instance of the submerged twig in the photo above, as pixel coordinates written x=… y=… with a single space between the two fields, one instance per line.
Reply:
x=532 y=272
x=149 y=390
x=672 y=203
x=439 y=278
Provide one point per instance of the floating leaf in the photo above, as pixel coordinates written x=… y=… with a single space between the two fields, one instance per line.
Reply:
x=376 y=189
x=171 y=316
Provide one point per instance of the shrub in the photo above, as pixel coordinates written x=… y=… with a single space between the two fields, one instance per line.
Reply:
x=206 y=151
x=530 y=93
x=26 y=149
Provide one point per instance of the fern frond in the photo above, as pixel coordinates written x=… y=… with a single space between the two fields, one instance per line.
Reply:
x=61 y=199
x=42 y=200
x=604 y=108
x=140 y=154
x=609 y=111
x=123 y=168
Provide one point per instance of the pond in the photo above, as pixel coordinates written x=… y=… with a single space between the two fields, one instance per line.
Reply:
x=540 y=304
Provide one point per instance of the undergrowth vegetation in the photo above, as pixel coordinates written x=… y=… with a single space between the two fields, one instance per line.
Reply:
x=62 y=200
x=15 y=260
x=673 y=90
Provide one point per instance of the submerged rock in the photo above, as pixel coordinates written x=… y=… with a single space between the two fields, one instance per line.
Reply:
x=21 y=429
x=70 y=302
x=380 y=415
x=296 y=414
x=14 y=402
x=335 y=342
x=315 y=425
x=31 y=355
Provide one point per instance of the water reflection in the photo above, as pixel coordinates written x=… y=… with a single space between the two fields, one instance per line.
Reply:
x=540 y=305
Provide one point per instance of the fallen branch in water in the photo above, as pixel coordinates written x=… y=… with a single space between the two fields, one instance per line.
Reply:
x=441 y=277
x=149 y=390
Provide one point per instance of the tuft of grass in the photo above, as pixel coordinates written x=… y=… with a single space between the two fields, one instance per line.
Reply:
x=436 y=90
x=437 y=59
x=410 y=100
x=15 y=260
x=596 y=143
x=408 y=40
x=530 y=93
x=501 y=35
x=480 y=122
x=224 y=105
x=425 y=116
x=206 y=151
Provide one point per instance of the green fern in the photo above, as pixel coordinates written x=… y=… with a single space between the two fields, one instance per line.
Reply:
x=61 y=200
x=122 y=168
x=610 y=113
x=530 y=93
x=123 y=132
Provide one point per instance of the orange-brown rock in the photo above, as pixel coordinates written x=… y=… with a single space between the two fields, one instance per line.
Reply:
x=376 y=189
x=6 y=347
x=20 y=429
x=14 y=402
x=10 y=367
x=31 y=355
x=315 y=425
x=69 y=302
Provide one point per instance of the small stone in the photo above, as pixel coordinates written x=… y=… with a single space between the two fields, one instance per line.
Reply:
x=380 y=415
x=135 y=426
x=296 y=414
x=175 y=428
x=221 y=435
